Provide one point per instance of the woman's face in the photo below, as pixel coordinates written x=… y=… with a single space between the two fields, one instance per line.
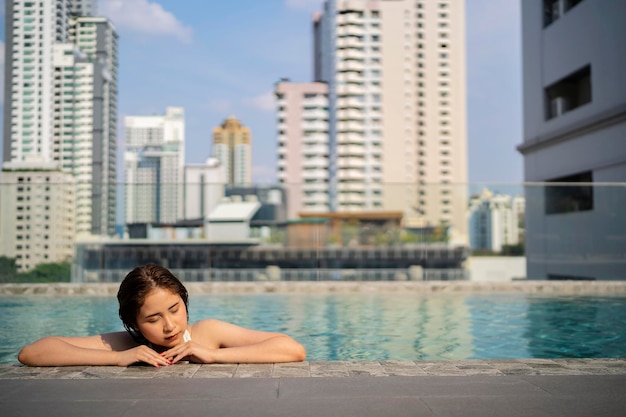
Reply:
x=162 y=318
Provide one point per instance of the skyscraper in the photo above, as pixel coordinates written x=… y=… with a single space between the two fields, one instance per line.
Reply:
x=396 y=107
x=154 y=161
x=91 y=82
x=232 y=147
x=303 y=145
x=60 y=101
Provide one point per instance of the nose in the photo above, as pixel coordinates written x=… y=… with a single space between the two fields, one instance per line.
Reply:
x=168 y=324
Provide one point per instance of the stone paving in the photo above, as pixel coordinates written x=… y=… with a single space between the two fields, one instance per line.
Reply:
x=338 y=369
x=608 y=288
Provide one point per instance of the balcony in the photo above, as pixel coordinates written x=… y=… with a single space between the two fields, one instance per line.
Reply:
x=356 y=66
x=350 y=127
x=351 y=161
x=349 y=77
x=316 y=139
x=350 y=114
x=316 y=150
x=320 y=175
x=316 y=126
x=351 y=151
x=316 y=162
x=318 y=114
x=352 y=53
x=350 y=102
x=316 y=198
x=317 y=101
x=349 y=19
x=350 y=30
x=350 y=175
x=349 y=42
x=350 y=90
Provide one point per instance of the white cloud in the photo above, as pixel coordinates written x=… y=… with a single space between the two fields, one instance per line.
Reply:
x=264 y=102
x=145 y=17
x=308 y=5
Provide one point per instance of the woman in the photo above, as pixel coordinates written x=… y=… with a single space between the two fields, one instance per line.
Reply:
x=153 y=307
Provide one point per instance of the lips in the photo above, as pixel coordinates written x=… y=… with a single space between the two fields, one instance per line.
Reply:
x=173 y=337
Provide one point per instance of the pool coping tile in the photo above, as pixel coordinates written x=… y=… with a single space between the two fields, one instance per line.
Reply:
x=328 y=369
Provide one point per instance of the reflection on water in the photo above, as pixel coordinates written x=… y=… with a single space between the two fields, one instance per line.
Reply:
x=400 y=326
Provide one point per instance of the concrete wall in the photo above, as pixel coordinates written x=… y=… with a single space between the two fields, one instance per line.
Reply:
x=496 y=268
x=590 y=138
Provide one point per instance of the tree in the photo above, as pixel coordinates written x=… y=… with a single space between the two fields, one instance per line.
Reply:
x=8 y=270
x=512 y=250
x=48 y=272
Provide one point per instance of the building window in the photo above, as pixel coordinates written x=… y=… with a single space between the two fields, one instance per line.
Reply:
x=554 y=9
x=568 y=93
x=567 y=197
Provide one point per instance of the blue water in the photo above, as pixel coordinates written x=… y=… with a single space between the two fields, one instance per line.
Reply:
x=365 y=326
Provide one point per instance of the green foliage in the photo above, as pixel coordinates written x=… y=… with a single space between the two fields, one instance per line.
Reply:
x=8 y=270
x=276 y=236
x=513 y=250
x=507 y=250
x=42 y=273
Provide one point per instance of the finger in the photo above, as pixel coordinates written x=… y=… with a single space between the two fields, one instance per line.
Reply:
x=168 y=355
x=157 y=360
x=181 y=355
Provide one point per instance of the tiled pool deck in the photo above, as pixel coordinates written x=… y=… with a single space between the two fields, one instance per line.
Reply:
x=511 y=388
x=336 y=369
x=468 y=388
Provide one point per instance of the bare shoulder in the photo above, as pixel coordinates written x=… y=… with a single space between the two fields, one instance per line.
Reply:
x=206 y=326
x=223 y=334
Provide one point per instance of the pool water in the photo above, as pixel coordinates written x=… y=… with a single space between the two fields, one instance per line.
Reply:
x=365 y=326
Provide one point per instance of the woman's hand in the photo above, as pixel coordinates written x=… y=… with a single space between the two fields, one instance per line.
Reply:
x=191 y=350
x=141 y=353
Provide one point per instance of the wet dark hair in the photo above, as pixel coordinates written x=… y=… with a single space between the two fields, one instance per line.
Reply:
x=137 y=285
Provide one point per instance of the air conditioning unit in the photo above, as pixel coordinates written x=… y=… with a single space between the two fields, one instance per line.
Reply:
x=558 y=106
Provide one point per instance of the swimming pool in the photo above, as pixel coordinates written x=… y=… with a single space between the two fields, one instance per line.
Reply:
x=398 y=326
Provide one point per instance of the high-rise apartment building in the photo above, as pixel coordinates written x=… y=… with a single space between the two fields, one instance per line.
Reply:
x=85 y=115
x=494 y=220
x=396 y=107
x=574 y=55
x=60 y=102
x=303 y=145
x=37 y=222
x=154 y=162
x=32 y=30
x=84 y=7
x=233 y=148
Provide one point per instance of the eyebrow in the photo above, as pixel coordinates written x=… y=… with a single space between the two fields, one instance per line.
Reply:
x=156 y=314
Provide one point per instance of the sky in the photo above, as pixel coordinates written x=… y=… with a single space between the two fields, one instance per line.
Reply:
x=221 y=58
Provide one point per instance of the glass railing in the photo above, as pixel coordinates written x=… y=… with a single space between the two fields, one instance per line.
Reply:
x=349 y=231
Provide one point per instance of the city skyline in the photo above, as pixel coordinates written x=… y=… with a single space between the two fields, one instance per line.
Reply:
x=230 y=68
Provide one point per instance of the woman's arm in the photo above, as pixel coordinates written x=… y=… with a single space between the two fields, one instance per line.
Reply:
x=106 y=349
x=218 y=341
